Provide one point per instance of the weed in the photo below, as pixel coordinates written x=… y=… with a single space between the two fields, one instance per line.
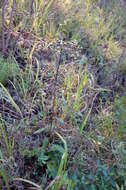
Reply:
x=8 y=70
x=104 y=121
x=9 y=153
x=120 y=114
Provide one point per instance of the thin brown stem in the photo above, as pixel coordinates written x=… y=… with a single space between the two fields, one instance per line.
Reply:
x=55 y=80
x=10 y=24
x=30 y=8
x=3 y=25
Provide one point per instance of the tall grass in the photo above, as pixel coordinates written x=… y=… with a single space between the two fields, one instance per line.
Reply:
x=62 y=167
x=11 y=99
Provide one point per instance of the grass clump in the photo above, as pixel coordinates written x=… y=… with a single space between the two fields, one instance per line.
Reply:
x=8 y=70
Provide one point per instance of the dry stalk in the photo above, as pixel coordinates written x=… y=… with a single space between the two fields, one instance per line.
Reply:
x=10 y=24
x=55 y=81
x=3 y=25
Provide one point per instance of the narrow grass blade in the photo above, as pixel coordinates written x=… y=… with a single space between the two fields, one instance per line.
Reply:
x=63 y=162
x=62 y=166
x=38 y=187
x=11 y=99
x=85 y=121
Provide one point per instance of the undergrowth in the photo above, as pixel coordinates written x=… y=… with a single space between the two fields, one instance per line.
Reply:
x=62 y=95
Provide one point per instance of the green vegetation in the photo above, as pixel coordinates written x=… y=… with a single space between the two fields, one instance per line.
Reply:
x=8 y=70
x=62 y=94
